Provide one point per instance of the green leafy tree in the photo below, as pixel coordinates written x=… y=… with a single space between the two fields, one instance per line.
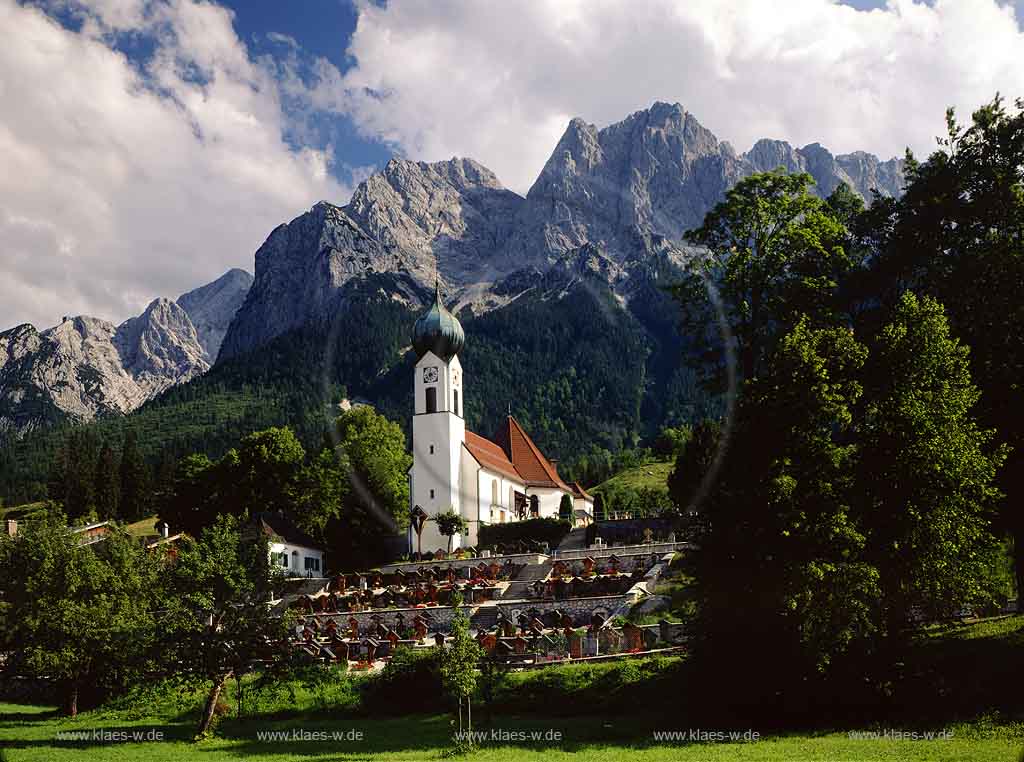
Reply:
x=263 y=474
x=927 y=469
x=774 y=253
x=322 y=491
x=372 y=450
x=565 y=508
x=458 y=663
x=218 y=623
x=73 y=474
x=136 y=482
x=689 y=476
x=671 y=442
x=599 y=510
x=82 y=615
x=957 y=234
x=780 y=534
x=107 y=482
x=190 y=503
x=450 y=524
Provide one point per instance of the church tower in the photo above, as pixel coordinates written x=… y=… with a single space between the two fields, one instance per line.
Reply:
x=438 y=427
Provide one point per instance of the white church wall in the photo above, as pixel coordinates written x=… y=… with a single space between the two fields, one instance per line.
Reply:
x=549 y=499
x=437 y=446
x=491 y=482
x=469 y=497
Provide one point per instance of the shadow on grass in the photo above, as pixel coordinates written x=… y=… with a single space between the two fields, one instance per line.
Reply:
x=13 y=718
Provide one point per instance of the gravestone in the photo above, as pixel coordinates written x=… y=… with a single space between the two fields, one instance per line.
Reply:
x=575 y=644
x=633 y=636
x=610 y=640
x=591 y=644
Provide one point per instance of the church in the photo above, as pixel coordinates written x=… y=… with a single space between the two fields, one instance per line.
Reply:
x=486 y=481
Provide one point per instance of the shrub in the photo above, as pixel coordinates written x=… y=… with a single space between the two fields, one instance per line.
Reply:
x=536 y=531
x=410 y=676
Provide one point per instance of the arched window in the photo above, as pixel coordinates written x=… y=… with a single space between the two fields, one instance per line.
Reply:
x=431 y=399
x=494 y=492
x=456 y=405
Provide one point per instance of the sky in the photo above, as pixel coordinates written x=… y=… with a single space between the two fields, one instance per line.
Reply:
x=147 y=146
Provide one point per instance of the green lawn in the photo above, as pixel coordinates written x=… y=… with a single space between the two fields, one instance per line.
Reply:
x=595 y=711
x=143 y=527
x=650 y=475
x=30 y=733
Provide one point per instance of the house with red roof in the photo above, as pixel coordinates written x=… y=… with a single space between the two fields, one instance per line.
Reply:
x=486 y=480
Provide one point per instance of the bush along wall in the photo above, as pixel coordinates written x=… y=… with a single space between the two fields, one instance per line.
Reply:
x=523 y=536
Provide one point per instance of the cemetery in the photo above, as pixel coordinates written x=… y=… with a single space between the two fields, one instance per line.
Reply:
x=524 y=609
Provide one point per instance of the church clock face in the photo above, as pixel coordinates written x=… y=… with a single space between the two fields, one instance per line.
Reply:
x=430 y=375
x=455 y=377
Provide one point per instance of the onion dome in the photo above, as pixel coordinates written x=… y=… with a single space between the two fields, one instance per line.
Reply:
x=438 y=331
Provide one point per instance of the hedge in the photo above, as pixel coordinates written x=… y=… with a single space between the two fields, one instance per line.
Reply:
x=532 y=532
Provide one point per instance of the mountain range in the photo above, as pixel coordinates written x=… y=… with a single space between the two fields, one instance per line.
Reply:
x=86 y=367
x=557 y=289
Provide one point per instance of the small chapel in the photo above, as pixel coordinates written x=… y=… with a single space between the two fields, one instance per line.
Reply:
x=485 y=480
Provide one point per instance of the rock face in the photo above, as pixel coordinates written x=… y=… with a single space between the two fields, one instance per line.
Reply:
x=85 y=367
x=620 y=198
x=609 y=206
x=212 y=307
x=396 y=222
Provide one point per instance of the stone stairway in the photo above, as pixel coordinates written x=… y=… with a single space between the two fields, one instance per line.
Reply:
x=484 y=618
x=575 y=540
x=519 y=587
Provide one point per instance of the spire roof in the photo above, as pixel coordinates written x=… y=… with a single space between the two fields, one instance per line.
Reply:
x=438 y=330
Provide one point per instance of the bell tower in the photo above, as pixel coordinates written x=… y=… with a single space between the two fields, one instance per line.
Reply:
x=438 y=427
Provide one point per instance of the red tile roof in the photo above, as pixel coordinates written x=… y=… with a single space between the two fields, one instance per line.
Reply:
x=489 y=455
x=528 y=460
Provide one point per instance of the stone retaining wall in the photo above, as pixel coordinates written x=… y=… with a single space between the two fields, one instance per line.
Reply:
x=441 y=617
x=655 y=547
x=462 y=563
x=580 y=609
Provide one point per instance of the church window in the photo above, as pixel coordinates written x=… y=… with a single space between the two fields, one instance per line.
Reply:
x=456 y=405
x=494 y=492
x=432 y=400
x=431 y=449
x=431 y=494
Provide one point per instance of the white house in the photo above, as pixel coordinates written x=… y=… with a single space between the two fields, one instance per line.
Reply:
x=291 y=550
x=487 y=481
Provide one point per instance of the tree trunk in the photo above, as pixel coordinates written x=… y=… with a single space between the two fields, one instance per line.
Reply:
x=211 y=703
x=1018 y=566
x=72 y=705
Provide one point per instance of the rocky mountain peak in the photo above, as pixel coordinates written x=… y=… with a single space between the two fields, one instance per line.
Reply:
x=212 y=307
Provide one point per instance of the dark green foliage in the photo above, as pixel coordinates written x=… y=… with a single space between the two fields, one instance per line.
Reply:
x=107 y=487
x=215 y=624
x=404 y=685
x=926 y=470
x=775 y=253
x=957 y=234
x=599 y=511
x=565 y=508
x=136 y=481
x=537 y=531
x=79 y=614
x=450 y=524
x=689 y=479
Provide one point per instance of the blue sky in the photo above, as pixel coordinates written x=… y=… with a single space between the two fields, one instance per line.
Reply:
x=323 y=29
x=150 y=145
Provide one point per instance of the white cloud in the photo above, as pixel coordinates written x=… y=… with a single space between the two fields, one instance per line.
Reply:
x=118 y=184
x=499 y=81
